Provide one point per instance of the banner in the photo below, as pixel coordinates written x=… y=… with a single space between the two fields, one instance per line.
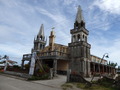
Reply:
x=32 y=65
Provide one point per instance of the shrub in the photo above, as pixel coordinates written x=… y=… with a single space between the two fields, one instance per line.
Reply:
x=27 y=66
x=16 y=66
x=43 y=77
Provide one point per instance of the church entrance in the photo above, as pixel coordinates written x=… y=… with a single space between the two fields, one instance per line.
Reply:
x=49 y=63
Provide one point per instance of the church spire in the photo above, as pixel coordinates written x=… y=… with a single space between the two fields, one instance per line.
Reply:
x=39 y=42
x=79 y=21
x=79 y=16
x=41 y=31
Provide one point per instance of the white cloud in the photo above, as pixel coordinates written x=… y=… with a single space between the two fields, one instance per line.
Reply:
x=111 y=6
x=20 y=20
x=101 y=45
x=56 y=16
x=68 y=2
x=61 y=24
x=15 y=49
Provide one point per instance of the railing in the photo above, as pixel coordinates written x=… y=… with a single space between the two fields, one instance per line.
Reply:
x=54 y=54
x=48 y=55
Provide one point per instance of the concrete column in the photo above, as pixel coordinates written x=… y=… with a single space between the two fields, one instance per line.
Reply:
x=22 y=65
x=106 y=69
x=75 y=51
x=80 y=67
x=84 y=66
x=99 y=67
x=94 y=67
x=38 y=46
x=82 y=51
x=55 y=67
x=42 y=47
x=88 y=69
x=79 y=51
x=102 y=68
x=68 y=75
x=88 y=52
x=85 y=52
x=110 y=70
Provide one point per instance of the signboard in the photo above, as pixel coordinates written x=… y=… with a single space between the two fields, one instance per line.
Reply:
x=32 y=65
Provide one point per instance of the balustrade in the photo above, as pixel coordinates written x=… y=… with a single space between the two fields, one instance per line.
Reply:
x=53 y=53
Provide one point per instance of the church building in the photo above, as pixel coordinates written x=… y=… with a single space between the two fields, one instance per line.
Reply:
x=76 y=56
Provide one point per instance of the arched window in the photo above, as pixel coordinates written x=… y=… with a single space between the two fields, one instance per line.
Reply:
x=78 y=36
x=40 y=37
x=76 y=25
x=83 y=36
x=40 y=46
x=82 y=24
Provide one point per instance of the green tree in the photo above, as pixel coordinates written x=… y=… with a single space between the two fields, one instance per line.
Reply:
x=112 y=64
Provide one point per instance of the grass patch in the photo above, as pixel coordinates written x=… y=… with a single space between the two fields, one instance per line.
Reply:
x=93 y=87
x=99 y=87
x=67 y=85
x=80 y=85
x=43 y=77
x=96 y=86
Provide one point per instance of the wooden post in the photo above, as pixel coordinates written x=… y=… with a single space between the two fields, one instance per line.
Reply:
x=22 y=65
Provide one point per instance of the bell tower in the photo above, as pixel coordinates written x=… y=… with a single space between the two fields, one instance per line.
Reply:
x=79 y=47
x=39 y=41
x=52 y=39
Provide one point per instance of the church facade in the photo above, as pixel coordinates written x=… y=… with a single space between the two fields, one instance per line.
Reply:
x=76 y=56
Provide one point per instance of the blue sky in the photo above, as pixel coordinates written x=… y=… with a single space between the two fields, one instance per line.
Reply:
x=20 y=21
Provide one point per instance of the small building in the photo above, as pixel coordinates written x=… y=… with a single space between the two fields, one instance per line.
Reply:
x=102 y=68
x=2 y=66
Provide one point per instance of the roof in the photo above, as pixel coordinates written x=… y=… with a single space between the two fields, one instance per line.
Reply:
x=55 y=47
x=12 y=62
x=41 y=31
x=79 y=16
x=61 y=45
x=98 y=57
x=2 y=64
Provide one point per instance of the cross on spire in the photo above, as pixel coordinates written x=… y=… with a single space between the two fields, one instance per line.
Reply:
x=53 y=28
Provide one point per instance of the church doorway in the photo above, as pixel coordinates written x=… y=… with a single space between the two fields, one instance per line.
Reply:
x=49 y=63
